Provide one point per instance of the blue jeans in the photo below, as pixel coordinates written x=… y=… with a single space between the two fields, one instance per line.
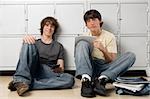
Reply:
x=94 y=67
x=143 y=91
x=36 y=75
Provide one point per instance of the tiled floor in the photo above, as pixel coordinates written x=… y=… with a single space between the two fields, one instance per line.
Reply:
x=57 y=94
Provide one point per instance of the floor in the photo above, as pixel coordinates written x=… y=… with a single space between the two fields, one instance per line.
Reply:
x=57 y=94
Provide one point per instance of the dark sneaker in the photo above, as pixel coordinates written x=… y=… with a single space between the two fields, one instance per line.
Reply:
x=21 y=88
x=100 y=87
x=11 y=86
x=87 y=89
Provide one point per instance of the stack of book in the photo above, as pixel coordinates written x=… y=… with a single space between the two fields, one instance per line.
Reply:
x=130 y=84
x=132 y=87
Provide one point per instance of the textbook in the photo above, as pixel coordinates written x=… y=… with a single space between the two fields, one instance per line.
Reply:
x=132 y=87
x=132 y=80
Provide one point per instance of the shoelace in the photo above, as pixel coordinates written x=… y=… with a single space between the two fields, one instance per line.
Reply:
x=87 y=84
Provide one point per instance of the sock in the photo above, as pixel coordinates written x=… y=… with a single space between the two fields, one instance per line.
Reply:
x=103 y=76
x=86 y=76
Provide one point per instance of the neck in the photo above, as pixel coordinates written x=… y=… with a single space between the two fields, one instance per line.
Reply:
x=96 y=33
x=46 y=39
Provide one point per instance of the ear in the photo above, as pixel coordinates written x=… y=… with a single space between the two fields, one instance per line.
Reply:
x=101 y=23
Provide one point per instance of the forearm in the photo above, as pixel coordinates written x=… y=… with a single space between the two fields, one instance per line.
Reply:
x=109 y=57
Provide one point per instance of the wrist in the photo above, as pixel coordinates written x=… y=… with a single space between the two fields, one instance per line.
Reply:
x=62 y=69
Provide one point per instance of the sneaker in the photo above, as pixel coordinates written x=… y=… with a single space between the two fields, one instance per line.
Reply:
x=11 y=86
x=100 y=86
x=87 y=89
x=21 y=88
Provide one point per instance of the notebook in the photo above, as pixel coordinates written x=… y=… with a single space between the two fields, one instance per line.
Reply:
x=84 y=38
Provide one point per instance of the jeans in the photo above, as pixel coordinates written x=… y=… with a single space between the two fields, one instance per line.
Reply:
x=144 y=91
x=36 y=75
x=94 y=67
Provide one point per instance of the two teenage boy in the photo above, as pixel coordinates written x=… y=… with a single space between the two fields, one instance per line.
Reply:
x=96 y=62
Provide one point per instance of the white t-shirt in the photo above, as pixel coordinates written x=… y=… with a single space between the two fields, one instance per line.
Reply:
x=108 y=40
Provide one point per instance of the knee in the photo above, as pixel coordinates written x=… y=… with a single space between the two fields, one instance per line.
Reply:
x=131 y=56
x=82 y=44
x=30 y=48
x=71 y=81
x=26 y=44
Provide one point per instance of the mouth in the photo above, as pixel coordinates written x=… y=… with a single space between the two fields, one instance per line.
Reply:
x=48 y=30
x=93 y=26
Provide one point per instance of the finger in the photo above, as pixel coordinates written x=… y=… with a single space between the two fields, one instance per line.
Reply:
x=58 y=70
x=28 y=40
x=25 y=39
x=32 y=40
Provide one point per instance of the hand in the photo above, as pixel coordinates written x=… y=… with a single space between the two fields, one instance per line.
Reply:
x=98 y=44
x=58 y=70
x=29 y=39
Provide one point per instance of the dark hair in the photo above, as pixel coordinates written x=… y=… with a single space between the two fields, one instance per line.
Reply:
x=52 y=21
x=91 y=14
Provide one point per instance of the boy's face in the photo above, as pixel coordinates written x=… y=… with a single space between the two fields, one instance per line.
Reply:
x=93 y=24
x=48 y=29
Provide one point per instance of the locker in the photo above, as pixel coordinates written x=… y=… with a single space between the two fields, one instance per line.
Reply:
x=129 y=20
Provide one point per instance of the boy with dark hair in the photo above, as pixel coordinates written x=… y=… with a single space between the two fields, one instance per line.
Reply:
x=41 y=62
x=96 y=62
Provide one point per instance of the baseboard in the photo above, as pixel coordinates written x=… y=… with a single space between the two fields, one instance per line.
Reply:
x=132 y=73
x=10 y=73
x=129 y=73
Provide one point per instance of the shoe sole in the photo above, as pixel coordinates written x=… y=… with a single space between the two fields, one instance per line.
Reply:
x=99 y=92
x=88 y=96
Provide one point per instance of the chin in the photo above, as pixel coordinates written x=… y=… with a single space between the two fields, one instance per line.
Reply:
x=94 y=34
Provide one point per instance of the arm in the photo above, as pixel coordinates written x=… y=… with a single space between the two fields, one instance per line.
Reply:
x=108 y=56
x=59 y=69
x=60 y=61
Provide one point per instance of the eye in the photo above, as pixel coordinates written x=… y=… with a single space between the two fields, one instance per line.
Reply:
x=47 y=24
x=88 y=20
x=52 y=26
